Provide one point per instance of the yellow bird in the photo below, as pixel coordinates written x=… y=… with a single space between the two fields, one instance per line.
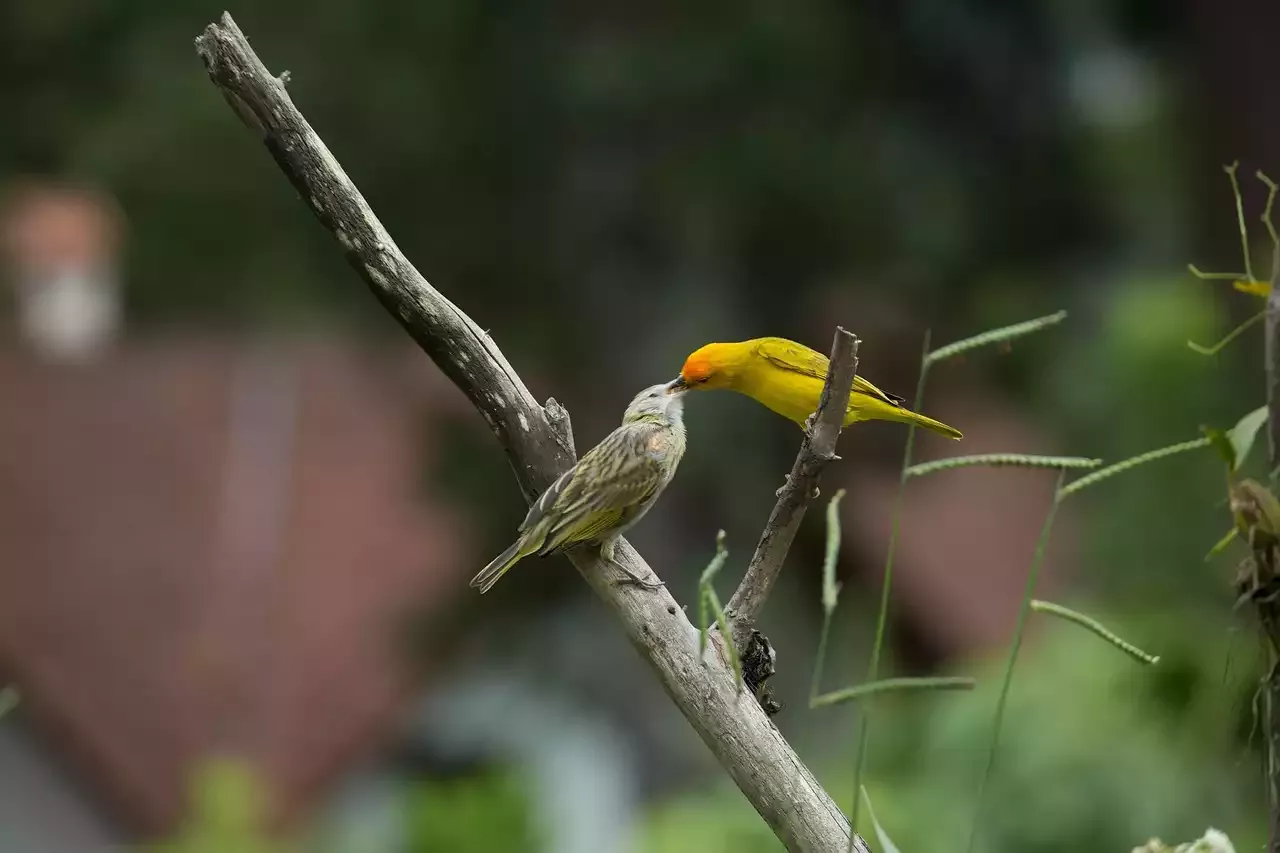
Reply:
x=787 y=377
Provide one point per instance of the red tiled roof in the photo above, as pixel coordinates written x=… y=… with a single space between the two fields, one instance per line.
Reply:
x=204 y=546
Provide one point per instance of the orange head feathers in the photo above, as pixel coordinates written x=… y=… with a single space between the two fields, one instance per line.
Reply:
x=713 y=365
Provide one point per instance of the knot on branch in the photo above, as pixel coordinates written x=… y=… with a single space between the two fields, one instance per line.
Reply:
x=759 y=663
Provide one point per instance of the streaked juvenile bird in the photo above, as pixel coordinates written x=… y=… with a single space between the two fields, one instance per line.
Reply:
x=610 y=488
x=787 y=377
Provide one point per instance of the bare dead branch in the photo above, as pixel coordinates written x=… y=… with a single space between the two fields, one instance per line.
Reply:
x=816 y=449
x=538 y=443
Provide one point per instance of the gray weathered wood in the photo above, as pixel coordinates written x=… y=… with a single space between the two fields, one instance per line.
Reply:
x=538 y=443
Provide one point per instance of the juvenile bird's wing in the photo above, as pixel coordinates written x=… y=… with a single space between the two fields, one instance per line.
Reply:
x=609 y=483
x=798 y=358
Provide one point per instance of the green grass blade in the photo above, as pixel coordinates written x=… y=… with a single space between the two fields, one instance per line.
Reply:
x=1244 y=228
x=1215 y=276
x=1221 y=544
x=1001 y=460
x=1270 y=225
x=704 y=585
x=1228 y=338
x=830 y=589
x=714 y=601
x=893 y=685
x=1033 y=575
x=1096 y=627
x=1132 y=462
x=886 y=584
x=886 y=845
x=995 y=336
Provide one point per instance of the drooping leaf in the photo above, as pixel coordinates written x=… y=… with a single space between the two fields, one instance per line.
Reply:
x=1244 y=432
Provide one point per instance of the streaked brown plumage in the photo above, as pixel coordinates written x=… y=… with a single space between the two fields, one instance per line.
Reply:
x=610 y=488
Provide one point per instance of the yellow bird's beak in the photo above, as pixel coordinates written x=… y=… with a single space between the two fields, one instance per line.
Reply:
x=677 y=385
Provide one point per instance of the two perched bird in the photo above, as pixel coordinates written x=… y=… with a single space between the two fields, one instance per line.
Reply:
x=616 y=482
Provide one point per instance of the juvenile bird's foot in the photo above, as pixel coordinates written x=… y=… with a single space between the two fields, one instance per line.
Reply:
x=632 y=579
x=607 y=550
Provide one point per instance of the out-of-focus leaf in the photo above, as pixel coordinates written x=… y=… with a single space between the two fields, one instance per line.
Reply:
x=886 y=845
x=1221 y=544
x=1244 y=432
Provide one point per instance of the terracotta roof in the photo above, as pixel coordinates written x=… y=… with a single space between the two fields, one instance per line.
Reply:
x=207 y=546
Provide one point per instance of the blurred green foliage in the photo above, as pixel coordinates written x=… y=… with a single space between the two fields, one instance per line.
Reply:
x=1098 y=753
x=480 y=814
x=227 y=802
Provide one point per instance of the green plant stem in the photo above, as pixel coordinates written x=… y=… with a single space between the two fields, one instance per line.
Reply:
x=895 y=685
x=1001 y=460
x=1033 y=575
x=1132 y=462
x=886 y=585
x=830 y=589
x=1244 y=228
x=1091 y=624
x=994 y=336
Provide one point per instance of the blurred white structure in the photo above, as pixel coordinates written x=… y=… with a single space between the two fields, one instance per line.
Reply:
x=61 y=248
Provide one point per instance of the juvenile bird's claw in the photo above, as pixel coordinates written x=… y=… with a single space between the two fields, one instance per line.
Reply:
x=632 y=579
x=643 y=584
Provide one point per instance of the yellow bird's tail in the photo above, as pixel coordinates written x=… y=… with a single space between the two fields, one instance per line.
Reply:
x=879 y=411
x=492 y=573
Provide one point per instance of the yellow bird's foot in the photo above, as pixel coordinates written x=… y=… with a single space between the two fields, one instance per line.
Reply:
x=783 y=487
x=786 y=481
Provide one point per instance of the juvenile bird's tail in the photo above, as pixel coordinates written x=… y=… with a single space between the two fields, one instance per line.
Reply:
x=492 y=573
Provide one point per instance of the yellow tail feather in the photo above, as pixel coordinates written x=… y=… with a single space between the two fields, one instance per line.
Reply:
x=875 y=410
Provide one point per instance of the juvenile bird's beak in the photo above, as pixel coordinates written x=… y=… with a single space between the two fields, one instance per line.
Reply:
x=676 y=385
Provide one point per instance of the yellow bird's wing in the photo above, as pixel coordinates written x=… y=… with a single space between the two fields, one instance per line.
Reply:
x=798 y=358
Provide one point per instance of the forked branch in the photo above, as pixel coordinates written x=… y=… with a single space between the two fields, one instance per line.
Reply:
x=538 y=444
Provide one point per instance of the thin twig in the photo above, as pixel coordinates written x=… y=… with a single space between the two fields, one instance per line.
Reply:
x=816 y=449
x=538 y=444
